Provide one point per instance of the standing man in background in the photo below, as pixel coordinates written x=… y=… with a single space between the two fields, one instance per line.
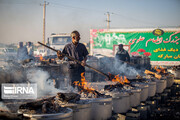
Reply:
x=30 y=50
x=122 y=54
x=78 y=51
x=22 y=53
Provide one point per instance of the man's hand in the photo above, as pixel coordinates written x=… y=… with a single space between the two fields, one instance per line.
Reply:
x=83 y=62
x=59 y=54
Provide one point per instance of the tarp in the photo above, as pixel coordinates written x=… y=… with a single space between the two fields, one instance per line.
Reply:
x=162 y=50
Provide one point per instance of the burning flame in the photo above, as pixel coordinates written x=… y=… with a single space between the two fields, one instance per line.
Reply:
x=84 y=84
x=160 y=70
x=163 y=70
x=120 y=79
x=41 y=58
x=152 y=73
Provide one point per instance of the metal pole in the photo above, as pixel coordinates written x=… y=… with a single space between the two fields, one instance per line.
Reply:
x=44 y=14
x=108 y=20
x=44 y=20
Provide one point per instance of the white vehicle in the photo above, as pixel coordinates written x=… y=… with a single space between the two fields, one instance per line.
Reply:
x=58 y=41
x=41 y=51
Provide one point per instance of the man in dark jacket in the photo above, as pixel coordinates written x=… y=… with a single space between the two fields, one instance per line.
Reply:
x=122 y=54
x=78 y=51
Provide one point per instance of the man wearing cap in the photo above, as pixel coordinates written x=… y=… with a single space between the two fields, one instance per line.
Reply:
x=122 y=54
x=78 y=51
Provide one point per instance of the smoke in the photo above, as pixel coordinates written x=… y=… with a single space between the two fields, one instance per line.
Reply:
x=17 y=74
x=115 y=66
x=125 y=69
x=45 y=86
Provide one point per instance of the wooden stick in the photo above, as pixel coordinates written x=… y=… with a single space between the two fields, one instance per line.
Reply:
x=78 y=61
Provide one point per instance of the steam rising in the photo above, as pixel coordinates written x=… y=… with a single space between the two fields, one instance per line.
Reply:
x=45 y=86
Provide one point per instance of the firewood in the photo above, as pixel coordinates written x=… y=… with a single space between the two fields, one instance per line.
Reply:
x=94 y=92
x=45 y=105
x=112 y=87
x=68 y=96
x=35 y=104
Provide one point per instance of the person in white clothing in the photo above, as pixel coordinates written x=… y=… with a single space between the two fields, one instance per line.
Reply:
x=30 y=50
x=22 y=53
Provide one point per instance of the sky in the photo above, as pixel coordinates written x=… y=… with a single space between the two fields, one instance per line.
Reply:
x=22 y=20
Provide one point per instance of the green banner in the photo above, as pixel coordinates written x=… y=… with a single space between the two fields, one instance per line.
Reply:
x=158 y=48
